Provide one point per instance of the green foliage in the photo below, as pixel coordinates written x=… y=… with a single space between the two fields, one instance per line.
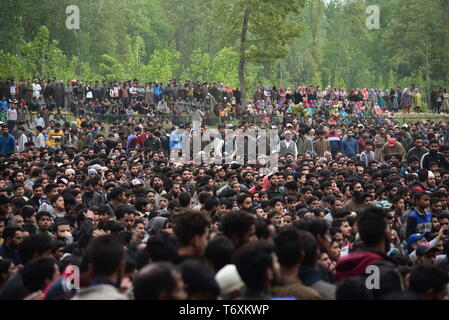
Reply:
x=162 y=66
x=288 y=42
x=224 y=67
x=198 y=68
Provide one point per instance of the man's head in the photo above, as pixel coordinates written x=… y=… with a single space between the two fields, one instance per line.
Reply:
x=191 y=230
x=418 y=142
x=63 y=231
x=434 y=146
x=429 y=282
x=105 y=258
x=258 y=266
x=159 y=281
x=373 y=228
x=288 y=247
x=44 y=220
x=244 y=201
x=426 y=254
x=413 y=162
x=240 y=228
x=12 y=237
x=125 y=215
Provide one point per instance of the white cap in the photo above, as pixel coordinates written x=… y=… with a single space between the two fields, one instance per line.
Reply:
x=97 y=167
x=69 y=171
x=228 y=279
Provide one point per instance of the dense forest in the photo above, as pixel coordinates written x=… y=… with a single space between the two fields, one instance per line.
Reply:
x=282 y=43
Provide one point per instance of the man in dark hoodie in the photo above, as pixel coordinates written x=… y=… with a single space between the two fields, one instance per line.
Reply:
x=375 y=234
x=434 y=156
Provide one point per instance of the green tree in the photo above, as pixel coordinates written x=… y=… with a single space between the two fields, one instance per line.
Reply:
x=162 y=66
x=262 y=29
x=224 y=67
x=43 y=57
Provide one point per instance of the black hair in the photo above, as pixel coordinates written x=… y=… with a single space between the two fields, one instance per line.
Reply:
x=316 y=226
x=309 y=245
x=41 y=214
x=199 y=279
x=372 y=224
x=162 y=247
x=219 y=251
x=10 y=232
x=34 y=245
x=252 y=261
x=120 y=211
x=154 y=280
x=426 y=277
x=184 y=199
x=288 y=246
x=105 y=253
x=37 y=272
x=190 y=224
x=353 y=288
x=237 y=224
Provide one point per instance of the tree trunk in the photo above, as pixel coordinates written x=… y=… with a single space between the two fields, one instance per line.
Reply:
x=242 y=60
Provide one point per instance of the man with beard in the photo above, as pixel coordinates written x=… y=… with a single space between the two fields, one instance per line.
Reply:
x=379 y=141
x=304 y=144
x=248 y=180
x=7 y=142
x=418 y=150
x=354 y=203
x=376 y=235
x=434 y=156
x=187 y=186
x=273 y=191
x=258 y=185
x=321 y=145
x=12 y=238
x=288 y=146
x=158 y=185
x=92 y=198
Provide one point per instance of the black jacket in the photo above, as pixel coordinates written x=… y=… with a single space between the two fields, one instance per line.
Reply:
x=437 y=157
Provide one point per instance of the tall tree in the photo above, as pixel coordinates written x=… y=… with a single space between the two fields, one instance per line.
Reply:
x=262 y=29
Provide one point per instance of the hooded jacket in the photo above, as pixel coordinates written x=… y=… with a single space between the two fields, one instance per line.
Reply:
x=357 y=263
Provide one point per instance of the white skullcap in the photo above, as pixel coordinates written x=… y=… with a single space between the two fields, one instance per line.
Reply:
x=228 y=279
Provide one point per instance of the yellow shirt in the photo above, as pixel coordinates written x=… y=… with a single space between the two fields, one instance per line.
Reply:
x=51 y=137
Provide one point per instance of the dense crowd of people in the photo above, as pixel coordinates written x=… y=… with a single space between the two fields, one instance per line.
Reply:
x=112 y=201
x=177 y=98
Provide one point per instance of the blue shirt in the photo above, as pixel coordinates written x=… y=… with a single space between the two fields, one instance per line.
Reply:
x=7 y=144
x=3 y=105
x=129 y=141
x=350 y=147
x=175 y=140
x=423 y=222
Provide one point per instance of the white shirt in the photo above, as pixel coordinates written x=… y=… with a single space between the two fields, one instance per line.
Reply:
x=23 y=139
x=39 y=122
x=36 y=90
x=40 y=140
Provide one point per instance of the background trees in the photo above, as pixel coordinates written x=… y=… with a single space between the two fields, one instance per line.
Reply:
x=237 y=42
